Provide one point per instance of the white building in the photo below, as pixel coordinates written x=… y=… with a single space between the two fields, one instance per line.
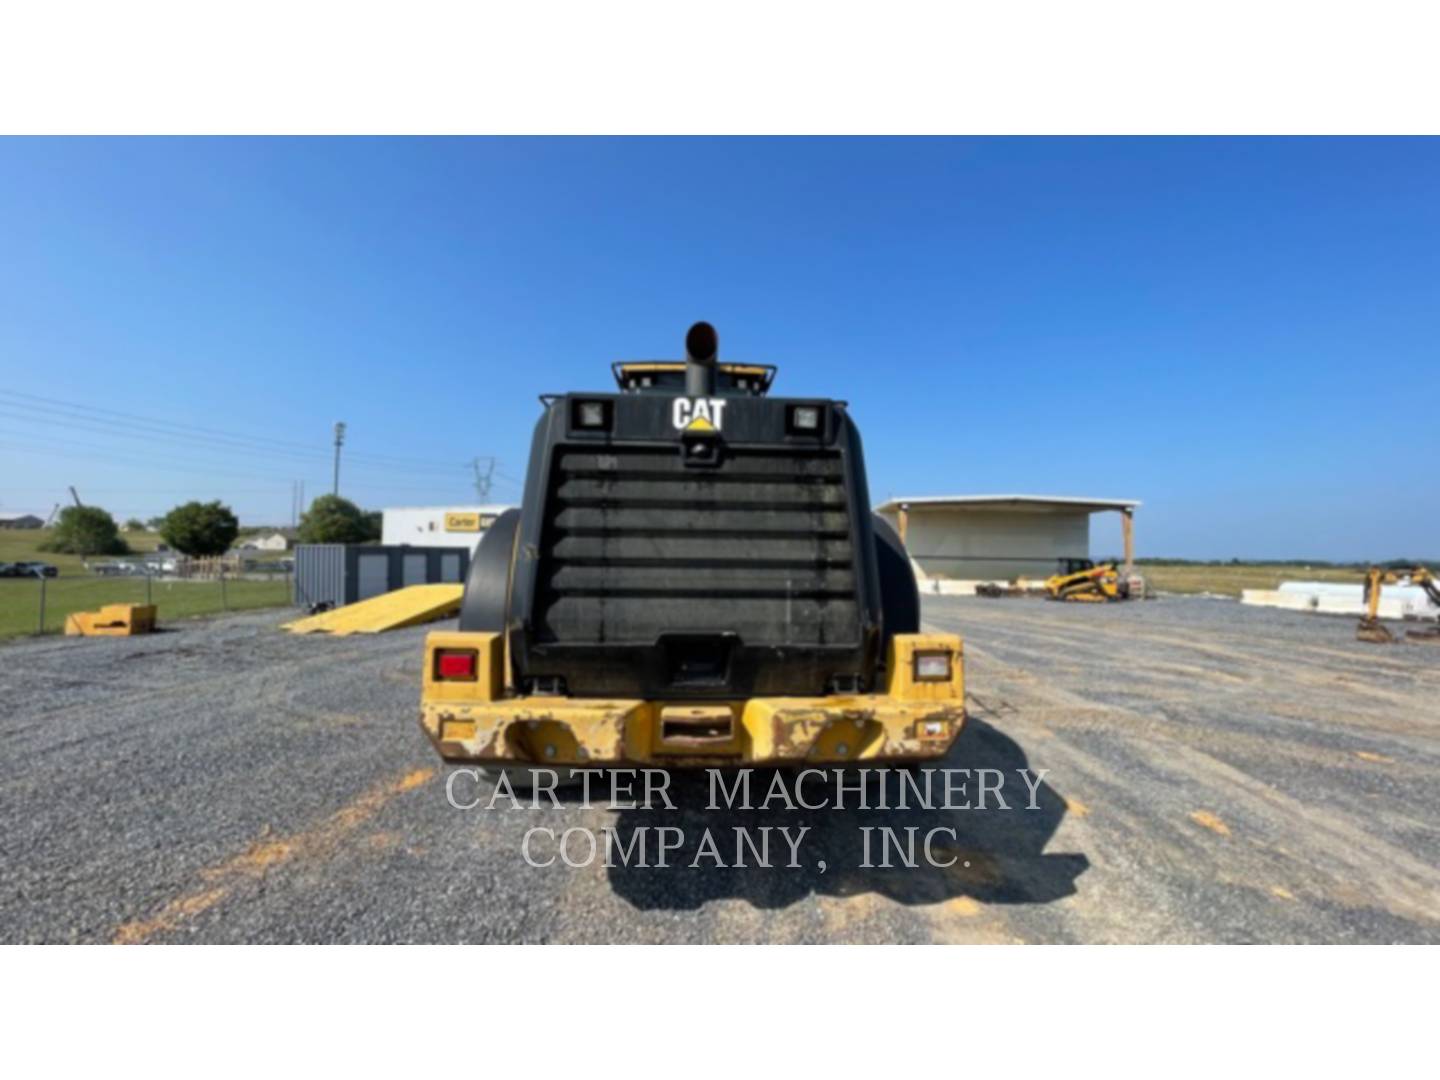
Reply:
x=970 y=538
x=437 y=526
x=276 y=541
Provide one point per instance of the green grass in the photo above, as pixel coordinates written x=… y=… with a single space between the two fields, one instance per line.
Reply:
x=1229 y=579
x=76 y=590
x=20 y=599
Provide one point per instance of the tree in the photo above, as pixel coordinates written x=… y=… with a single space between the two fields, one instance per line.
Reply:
x=333 y=520
x=134 y=525
x=86 y=530
x=197 y=528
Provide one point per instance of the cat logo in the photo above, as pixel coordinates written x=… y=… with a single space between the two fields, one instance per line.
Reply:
x=699 y=414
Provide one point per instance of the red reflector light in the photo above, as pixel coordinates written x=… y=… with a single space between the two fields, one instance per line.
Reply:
x=455 y=664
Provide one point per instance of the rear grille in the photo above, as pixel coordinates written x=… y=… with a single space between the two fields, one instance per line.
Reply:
x=636 y=546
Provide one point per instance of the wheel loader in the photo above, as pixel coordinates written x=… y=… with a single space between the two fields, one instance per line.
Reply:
x=693 y=578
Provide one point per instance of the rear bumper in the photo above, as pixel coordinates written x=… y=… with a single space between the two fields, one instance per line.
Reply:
x=476 y=721
x=568 y=731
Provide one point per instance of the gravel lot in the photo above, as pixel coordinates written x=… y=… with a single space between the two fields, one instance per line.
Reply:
x=1215 y=773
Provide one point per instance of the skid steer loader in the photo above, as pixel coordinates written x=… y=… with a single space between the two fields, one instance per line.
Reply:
x=694 y=578
x=1095 y=584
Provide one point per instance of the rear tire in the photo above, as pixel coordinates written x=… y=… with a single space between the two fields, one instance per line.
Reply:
x=486 y=606
x=899 y=594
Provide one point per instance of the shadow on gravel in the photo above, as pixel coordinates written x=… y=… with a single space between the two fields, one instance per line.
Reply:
x=999 y=854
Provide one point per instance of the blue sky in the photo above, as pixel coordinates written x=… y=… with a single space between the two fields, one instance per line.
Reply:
x=1240 y=333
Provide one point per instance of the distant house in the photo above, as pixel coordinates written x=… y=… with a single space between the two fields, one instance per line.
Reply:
x=20 y=521
x=276 y=541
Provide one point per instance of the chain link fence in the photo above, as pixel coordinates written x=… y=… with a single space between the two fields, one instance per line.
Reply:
x=39 y=605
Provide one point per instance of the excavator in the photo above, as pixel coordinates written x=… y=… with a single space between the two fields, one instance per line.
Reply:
x=1081 y=580
x=1371 y=628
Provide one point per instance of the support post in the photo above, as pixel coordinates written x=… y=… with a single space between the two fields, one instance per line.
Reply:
x=904 y=518
x=339 y=442
x=1127 y=534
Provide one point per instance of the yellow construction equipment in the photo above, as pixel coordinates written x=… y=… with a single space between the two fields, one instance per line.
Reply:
x=112 y=620
x=1371 y=628
x=404 y=607
x=694 y=579
x=1093 y=584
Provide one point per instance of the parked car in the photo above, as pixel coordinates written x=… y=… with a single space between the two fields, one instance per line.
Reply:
x=116 y=569
x=7 y=569
x=31 y=569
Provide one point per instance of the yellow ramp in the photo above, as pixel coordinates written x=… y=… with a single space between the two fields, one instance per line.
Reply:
x=390 y=611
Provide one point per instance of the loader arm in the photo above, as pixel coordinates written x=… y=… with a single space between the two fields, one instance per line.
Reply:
x=1376 y=578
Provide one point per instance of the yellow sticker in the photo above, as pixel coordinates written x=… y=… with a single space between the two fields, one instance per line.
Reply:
x=462 y=522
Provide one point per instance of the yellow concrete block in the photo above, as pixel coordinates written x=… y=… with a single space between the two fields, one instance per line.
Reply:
x=112 y=620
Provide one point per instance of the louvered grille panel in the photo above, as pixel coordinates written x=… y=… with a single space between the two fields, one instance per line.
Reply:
x=637 y=545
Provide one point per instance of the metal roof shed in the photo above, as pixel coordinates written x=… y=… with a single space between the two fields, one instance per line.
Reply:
x=998 y=537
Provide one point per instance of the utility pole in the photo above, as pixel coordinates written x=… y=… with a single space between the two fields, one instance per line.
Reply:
x=483 y=479
x=339 y=442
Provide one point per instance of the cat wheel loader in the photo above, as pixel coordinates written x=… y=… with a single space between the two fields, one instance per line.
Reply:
x=693 y=578
x=1371 y=628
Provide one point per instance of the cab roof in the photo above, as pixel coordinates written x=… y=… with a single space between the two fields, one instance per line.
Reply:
x=631 y=374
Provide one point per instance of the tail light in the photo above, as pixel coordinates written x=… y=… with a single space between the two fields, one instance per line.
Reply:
x=455 y=665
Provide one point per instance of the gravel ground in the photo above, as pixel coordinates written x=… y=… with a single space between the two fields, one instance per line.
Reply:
x=1214 y=773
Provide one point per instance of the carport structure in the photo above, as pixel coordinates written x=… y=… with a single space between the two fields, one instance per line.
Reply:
x=1000 y=537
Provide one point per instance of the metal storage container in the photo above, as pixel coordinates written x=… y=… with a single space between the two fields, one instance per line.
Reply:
x=337 y=574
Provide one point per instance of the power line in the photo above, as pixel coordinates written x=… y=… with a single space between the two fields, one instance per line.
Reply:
x=89 y=451
x=203 y=431
x=483 y=478
x=192 y=443
x=114 y=421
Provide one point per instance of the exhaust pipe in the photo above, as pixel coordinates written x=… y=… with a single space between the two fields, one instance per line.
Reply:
x=702 y=350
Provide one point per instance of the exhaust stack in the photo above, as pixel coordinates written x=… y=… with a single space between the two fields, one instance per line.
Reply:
x=702 y=350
